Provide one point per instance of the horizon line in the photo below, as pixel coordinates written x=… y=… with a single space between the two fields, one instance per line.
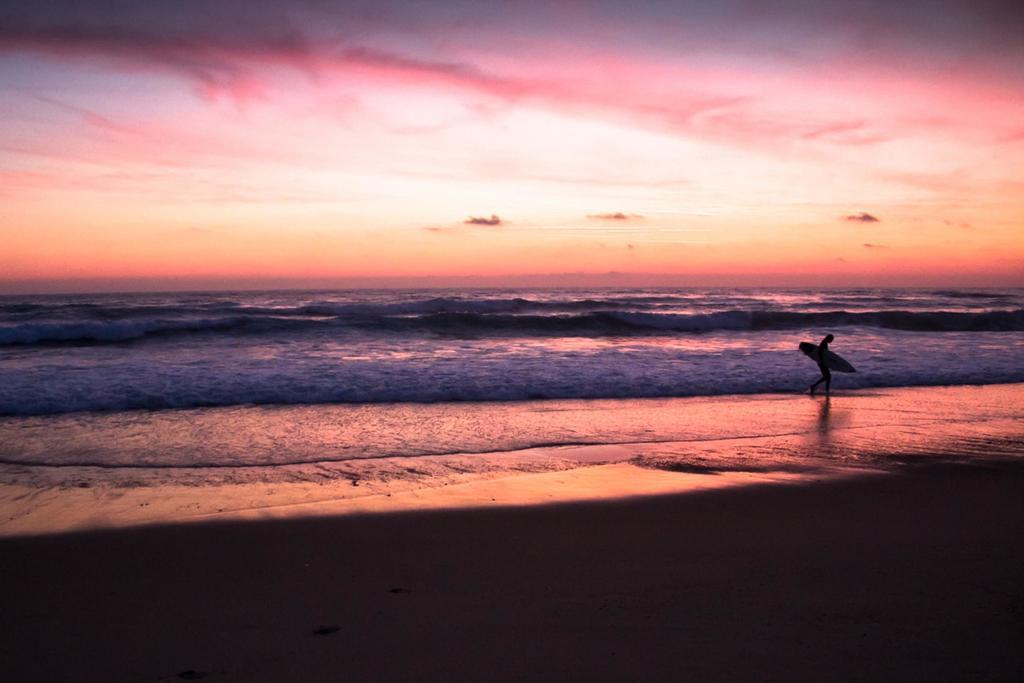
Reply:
x=611 y=279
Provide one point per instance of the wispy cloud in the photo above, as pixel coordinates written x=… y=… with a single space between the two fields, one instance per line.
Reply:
x=223 y=47
x=484 y=220
x=230 y=59
x=869 y=245
x=491 y=221
x=219 y=59
x=617 y=216
x=862 y=217
x=845 y=133
x=443 y=229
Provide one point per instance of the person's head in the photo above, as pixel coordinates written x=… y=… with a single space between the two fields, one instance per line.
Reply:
x=829 y=338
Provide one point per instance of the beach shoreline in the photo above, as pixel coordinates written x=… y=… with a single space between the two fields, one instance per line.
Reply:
x=879 y=535
x=626 y=448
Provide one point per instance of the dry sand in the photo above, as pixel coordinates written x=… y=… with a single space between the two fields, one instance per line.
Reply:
x=906 y=576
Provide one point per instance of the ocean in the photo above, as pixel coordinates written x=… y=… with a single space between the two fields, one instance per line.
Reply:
x=61 y=354
x=236 y=386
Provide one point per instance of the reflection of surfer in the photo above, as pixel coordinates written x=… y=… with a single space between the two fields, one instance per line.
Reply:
x=824 y=414
x=826 y=374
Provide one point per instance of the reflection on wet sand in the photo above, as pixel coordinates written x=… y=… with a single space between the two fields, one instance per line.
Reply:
x=824 y=412
x=157 y=466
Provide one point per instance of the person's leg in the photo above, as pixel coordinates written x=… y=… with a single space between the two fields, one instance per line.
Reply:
x=828 y=382
x=815 y=385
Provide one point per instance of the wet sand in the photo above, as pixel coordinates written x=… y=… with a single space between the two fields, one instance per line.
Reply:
x=175 y=466
x=908 y=576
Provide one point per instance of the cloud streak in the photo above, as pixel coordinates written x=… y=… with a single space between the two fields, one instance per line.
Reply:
x=862 y=217
x=224 y=48
x=229 y=66
x=491 y=221
x=616 y=216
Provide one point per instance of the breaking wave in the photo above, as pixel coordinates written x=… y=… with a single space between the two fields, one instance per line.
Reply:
x=500 y=323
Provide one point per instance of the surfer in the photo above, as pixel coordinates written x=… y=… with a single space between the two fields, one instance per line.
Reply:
x=826 y=374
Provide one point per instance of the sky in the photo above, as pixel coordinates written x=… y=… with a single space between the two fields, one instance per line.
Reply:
x=145 y=144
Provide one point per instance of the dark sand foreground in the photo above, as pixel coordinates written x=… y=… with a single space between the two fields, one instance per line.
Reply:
x=914 y=576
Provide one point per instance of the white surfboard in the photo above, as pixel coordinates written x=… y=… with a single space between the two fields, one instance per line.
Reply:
x=835 y=361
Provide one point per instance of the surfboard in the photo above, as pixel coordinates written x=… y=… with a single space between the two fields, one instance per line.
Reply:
x=835 y=361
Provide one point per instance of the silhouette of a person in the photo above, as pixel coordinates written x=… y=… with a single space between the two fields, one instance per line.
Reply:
x=826 y=374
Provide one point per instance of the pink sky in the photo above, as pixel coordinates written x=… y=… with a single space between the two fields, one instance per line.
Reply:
x=287 y=142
